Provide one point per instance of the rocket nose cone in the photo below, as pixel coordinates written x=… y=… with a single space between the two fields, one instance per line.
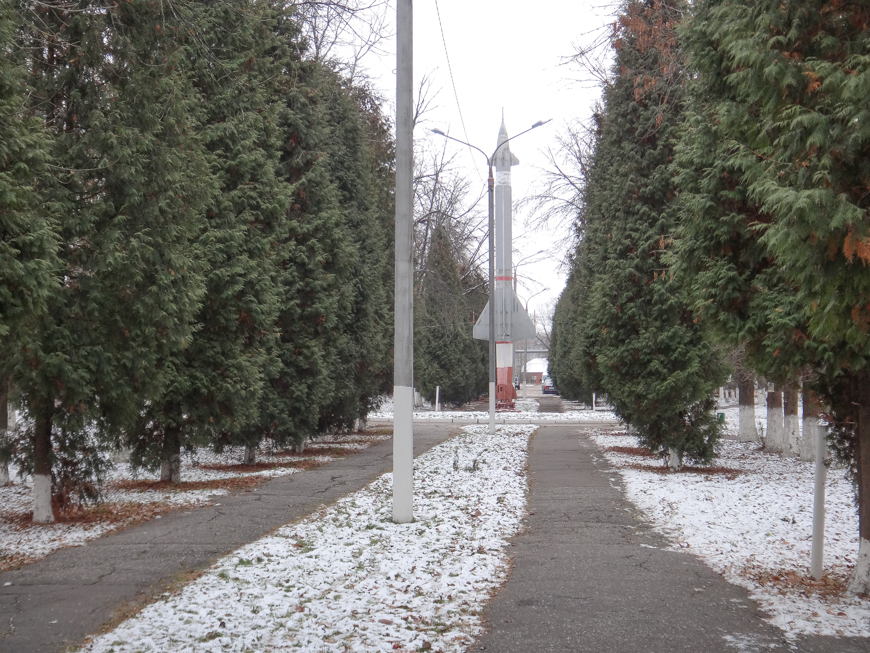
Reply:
x=502 y=134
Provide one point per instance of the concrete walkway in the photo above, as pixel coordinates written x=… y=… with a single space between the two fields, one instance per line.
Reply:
x=590 y=575
x=56 y=602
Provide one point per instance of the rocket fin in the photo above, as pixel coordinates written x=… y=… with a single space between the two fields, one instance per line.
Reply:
x=511 y=325
x=514 y=160
x=481 y=327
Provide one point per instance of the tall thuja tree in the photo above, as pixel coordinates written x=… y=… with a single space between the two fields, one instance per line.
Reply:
x=737 y=288
x=573 y=363
x=648 y=353
x=805 y=67
x=27 y=241
x=447 y=355
x=132 y=182
x=565 y=360
x=315 y=257
x=359 y=159
x=213 y=388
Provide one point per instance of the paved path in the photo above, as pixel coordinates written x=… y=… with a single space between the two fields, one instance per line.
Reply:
x=589 y=575
x=70 y=594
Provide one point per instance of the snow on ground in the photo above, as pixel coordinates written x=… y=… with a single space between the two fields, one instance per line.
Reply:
x=574 y=415
x=127 y=502
x=22 y=542
x=754 y=526
x=347 y=578
x=527 y=405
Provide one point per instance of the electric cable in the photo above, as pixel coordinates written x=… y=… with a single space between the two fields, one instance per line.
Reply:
x=453 y=84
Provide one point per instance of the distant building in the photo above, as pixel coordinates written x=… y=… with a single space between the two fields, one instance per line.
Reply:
x=535 y=370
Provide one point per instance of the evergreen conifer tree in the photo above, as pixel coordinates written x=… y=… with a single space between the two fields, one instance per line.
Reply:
x=639 y=341
x=804 y=69
x=213 y=387
x=315 y=258
x=445 y=352
x=359 y=157
x=132 y=181
x=27 y=240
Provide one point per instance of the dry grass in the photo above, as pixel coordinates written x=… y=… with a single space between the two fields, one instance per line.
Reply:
x=632 y=451
x=728 y=472
x=831 y=586
x=242 y=468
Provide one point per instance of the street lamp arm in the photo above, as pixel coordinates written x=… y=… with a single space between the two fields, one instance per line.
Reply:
x=441 y=133
x=489 y=159
x=540 y=123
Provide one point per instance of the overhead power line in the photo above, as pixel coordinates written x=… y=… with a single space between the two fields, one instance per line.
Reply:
x=453 y=82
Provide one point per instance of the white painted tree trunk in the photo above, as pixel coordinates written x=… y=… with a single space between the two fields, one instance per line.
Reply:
x=300 y=446
x=675 y=461
x=42 y=513
x=250 y=456
x=170 y=470
x=746 y=431
x=121 y=455
x=775 y=425
x=812 y=430
x=5 y=478
x=859 y=582
x=792 y=423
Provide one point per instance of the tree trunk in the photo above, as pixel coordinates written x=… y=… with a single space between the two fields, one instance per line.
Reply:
x=775 y=426
x=675 y=460
x=299 y=446
x=4 y=428
x=792 y=425
x=250 y=456
x=859 y=583
x=746 y=390
x=42 y=512
x=812 y=428
x=170 y=467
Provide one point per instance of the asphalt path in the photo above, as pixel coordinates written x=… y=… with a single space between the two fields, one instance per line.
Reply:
x=590 y=575
x=56 y=602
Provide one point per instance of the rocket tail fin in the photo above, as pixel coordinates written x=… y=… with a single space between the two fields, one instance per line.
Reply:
x=512 y=322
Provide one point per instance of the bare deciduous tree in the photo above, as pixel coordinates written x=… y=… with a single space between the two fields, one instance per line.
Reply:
x=343 y=32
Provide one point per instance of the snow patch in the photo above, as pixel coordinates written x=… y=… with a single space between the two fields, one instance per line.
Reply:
x=754 y=520
x=348 y=579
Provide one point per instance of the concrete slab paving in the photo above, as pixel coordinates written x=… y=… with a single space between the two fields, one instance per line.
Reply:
x=589 y=575
x=56 y=602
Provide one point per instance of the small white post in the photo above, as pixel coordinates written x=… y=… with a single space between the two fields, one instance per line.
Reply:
x=593 y=401
x=817 y=566
x=437 y=398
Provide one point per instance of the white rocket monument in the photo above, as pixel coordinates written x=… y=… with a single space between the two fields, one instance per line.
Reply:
x=512 y=323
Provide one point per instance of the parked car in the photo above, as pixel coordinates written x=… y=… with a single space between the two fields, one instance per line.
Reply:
x=547 y=386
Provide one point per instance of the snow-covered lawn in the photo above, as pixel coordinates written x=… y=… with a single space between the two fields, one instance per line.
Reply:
x=751 y=520
x=130 y=497
x=347 y=578
x=526 y=409
x=482 y=416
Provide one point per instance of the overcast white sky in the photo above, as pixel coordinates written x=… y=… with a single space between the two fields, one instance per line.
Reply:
x=505 y=54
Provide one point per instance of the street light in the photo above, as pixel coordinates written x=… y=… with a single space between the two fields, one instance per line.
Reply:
x=491 y=191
